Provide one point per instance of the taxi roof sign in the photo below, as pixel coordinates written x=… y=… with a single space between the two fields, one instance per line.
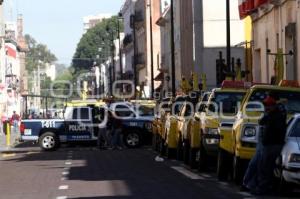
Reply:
x=236 y=84
x=289 y=83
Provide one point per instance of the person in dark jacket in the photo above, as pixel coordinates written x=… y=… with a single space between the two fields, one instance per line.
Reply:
x=274 y=123
x=116 y=130
x=252 y=174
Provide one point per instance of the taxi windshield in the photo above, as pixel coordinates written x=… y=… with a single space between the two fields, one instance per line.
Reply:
x=291 y=99
x=227 y=102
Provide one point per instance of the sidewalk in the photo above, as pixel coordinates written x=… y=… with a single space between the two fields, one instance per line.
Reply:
x=15 y=145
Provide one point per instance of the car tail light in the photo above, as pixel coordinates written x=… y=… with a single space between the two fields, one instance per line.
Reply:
x=22 y=128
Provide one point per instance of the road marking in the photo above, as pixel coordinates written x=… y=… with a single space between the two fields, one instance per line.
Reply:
x=67 y=168
x=206 y=175
x=65 y=173
x=246 y=194
x=188 y=173
x=63 y=179
x=8 y=155
x=68 y=163
x=223 y=183
x=61 y=197
x=63 y=187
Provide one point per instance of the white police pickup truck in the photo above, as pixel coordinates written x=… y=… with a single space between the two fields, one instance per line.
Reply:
x=81 y=123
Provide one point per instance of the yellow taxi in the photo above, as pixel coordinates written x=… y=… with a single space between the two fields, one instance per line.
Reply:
x=158 y=124
x=170 y=135
x=221 y=107
x=189 y=130
x=239 y=138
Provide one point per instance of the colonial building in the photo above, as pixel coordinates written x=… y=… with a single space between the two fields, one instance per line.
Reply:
x=275 y=34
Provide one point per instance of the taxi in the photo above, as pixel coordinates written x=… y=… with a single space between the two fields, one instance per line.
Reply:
x=189 y=129
x=239 y=138
x=170 y=135
x=158 y=123
x=221 y=108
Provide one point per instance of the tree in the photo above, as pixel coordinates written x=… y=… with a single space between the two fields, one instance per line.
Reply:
x=37 y=52
x=98 y=37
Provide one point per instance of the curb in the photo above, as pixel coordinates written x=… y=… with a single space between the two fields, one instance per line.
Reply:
x=15 y=150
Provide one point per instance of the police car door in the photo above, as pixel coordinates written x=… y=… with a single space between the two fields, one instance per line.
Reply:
x=79 y=126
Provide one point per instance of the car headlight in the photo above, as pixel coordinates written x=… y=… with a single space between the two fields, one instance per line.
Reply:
x=249 y=132
x=212 y=131
x=294 y=158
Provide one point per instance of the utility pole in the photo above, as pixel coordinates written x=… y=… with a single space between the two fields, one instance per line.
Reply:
x=151 y=49
x=173 y=50
x=120 y=51
x=228 y=59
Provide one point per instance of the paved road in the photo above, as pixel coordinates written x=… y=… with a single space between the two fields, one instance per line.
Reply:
x=85 y=172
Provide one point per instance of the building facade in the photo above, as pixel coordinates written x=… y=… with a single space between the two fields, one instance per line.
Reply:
x=276 y=31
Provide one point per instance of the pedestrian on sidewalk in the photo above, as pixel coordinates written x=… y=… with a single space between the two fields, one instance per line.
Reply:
x=116 y=131
x=14 y=121
x=250 y=180
x=272 y=141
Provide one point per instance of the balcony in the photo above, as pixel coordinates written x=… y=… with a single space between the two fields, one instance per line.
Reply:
x=140 y=61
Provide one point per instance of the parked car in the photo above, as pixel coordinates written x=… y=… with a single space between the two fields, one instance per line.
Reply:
x=288 y=170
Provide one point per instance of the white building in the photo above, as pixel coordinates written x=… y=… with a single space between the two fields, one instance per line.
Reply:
x=128 y=11
x=92 y=20
x=50 y=70
x=276 y=28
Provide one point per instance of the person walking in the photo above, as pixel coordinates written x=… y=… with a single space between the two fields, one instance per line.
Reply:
x=14 y=121
x=116 y=131
x=250 y=180
x=272 y=141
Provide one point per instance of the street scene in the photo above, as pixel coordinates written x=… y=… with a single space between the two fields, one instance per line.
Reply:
x=149 y=99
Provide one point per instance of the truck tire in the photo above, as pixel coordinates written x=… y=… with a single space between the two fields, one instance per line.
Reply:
x=48 y=141
x=203 y=158
x=180 y=149
x=132 y=139
x=193 y=155
x=186 y=152
x=238 y=170
x=223 y=166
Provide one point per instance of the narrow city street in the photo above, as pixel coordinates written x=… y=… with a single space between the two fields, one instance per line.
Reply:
x=85 y=172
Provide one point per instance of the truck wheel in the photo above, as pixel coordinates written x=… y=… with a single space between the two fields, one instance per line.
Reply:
x=132 y=139
x=180 y=149
x=171 y=153
x=186 y=152
x=238 y=171
x=223 y=167
x=48 y=141
x=193 y=154
x=203 y=157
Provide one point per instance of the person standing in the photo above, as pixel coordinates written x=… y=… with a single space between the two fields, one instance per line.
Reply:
x=116 y=125
x=250 y=180
x=14 y=121
x=272 y=141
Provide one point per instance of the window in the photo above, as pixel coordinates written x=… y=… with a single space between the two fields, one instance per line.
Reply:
x=296 y=129
x=81 y=114
x=227 y=102
x=291 y=99
x=123 y=111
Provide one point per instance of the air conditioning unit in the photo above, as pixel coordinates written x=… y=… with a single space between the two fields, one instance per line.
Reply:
x=275 y=2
